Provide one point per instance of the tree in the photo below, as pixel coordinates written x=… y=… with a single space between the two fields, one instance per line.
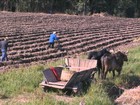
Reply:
x=126 y=8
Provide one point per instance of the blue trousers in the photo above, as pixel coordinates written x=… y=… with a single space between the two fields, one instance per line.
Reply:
x=51 y=44
x=4 y=55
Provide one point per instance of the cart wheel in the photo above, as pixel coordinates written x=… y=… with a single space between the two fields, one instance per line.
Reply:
x=78 y=90
x=45 y=89
x=67 y=92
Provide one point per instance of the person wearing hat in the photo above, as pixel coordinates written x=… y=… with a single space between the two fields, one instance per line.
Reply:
x=52 y=39
x=4 y=45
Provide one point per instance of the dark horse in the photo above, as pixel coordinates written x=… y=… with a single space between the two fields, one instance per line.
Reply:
x=113 y=62
x=96 y=55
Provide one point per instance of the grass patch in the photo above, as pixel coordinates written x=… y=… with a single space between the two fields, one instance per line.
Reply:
x=20 y=80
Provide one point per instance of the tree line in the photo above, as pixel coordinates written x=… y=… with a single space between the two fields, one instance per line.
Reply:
x=122 y=8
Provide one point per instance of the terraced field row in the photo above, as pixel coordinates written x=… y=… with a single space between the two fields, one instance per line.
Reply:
x=28 y=35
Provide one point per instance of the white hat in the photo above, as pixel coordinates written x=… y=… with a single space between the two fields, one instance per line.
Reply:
x=54 y=32
x=5 y=38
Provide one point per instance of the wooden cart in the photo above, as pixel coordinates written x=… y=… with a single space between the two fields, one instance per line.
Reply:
x=84 y=70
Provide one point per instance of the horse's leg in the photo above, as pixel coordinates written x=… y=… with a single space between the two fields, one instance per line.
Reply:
x=113 y=73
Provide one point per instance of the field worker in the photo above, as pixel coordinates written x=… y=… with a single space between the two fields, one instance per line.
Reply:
x=52 y=39
x=3 y=46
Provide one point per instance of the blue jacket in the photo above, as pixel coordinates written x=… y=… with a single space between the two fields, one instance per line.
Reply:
x=52 y=38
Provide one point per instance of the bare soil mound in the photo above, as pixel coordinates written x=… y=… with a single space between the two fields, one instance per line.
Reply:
x=129 y=97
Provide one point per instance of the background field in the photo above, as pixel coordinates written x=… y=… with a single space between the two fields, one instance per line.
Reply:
x=28 y=35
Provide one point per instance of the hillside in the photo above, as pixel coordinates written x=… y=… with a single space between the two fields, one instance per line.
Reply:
x=28 y=35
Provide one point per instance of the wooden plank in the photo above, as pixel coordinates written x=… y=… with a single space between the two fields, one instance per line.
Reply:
x=53 y=86
x=67 y=61
x=42 y=83
x=94 y=64
x=79 y=62
x=70 y=61
x=78 y=67
x=82 y=64
x=60 y=83
x=90 y=64
x=75 y=63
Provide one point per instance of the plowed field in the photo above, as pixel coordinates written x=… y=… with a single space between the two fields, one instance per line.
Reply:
x=28 y=35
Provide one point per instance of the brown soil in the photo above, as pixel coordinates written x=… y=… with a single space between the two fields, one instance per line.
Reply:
x=126 y=47
x=129 y=97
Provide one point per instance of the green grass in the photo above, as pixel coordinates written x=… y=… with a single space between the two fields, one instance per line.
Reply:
x=21 y=86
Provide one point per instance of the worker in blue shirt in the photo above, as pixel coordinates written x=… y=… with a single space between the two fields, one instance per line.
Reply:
x=52 y=39
x=4 y=45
